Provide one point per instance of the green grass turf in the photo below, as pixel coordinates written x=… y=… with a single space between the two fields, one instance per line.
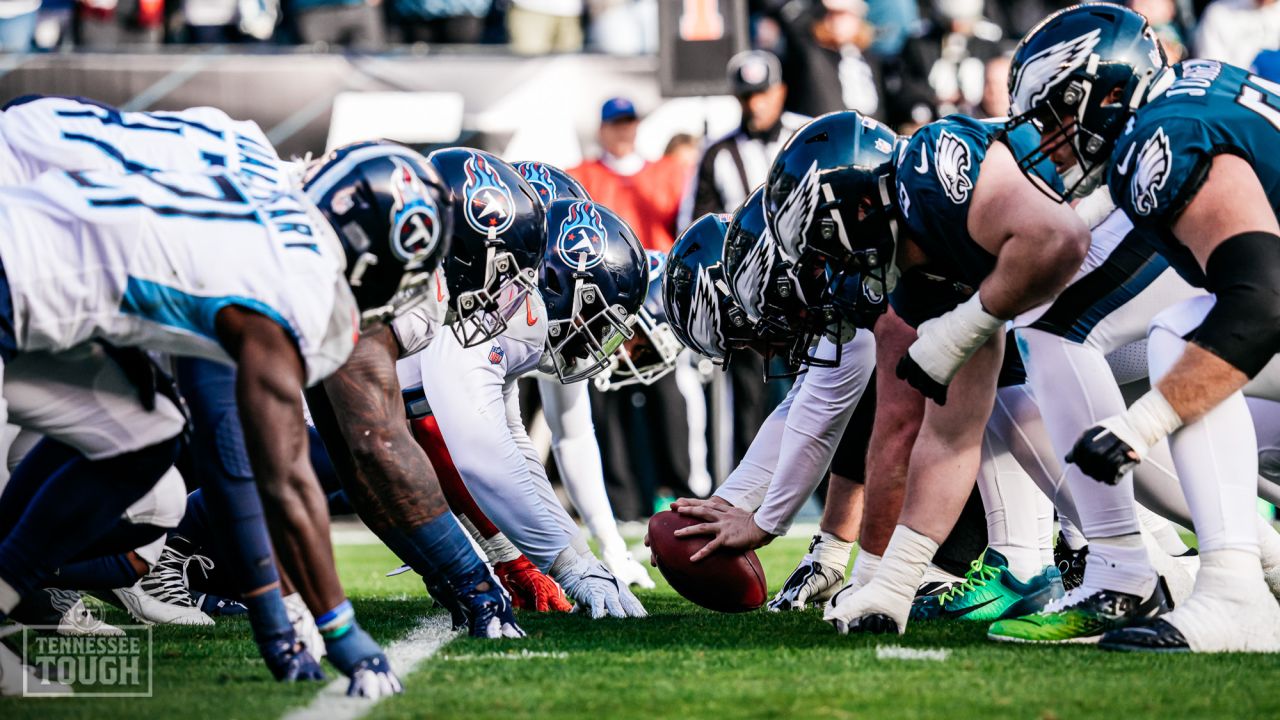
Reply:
x=684 y=662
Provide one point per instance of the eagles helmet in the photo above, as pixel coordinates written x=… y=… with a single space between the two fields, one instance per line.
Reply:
x=498 y=241
x=702 y=311
x=593 y=281
x=390 y=210
x=829 y=204
x=652 y=353
x=1078 y=77
x=550 y=182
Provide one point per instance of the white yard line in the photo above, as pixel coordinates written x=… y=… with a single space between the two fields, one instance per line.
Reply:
x=422 y=642
x=895 y=652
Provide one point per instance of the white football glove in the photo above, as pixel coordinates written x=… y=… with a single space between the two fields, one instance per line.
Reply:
x=625 y=568
x=816 y=578
x=593 y=587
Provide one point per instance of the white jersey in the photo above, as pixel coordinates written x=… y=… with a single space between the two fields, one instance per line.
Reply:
x=148 y=259
x=57 y=133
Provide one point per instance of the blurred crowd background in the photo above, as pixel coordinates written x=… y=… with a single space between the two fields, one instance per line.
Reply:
x=901 y=61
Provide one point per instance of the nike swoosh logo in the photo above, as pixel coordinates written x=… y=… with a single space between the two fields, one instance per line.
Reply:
x=965 y=611
x=923 y=167
x=1122 y=167
x=528 y=312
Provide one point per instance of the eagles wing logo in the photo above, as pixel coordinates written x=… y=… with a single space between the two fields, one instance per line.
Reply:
x=796 y=214
x=581 y=240
x=1045 y=69
x=952 y=162
x=1150 y=172
x=415 y=221
x=749 y=285
x=487 y=202
x=539 y=178
x=704 y=313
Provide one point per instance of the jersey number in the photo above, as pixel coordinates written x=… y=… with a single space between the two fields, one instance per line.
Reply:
x=1261 y=102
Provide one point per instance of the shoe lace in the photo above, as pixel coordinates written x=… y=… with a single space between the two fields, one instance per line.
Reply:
x=978 y=575
x=168 y=582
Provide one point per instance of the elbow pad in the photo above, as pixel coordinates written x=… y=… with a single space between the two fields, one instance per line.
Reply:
x=1243 y=328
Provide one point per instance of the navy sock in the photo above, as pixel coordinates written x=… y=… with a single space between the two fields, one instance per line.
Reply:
x=443 y=544
x=347 y=643
x=74 y=506
x=100 y=573
x=267 y=616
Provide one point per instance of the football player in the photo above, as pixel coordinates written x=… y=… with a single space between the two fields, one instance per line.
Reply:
x=930 y=220
x=1186 y=152
x=130 y=255
x=592 y=283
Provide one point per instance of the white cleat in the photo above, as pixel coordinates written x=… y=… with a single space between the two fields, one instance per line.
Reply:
x=625 y=568
x=17 y=680
x=77 y=621
x=304 y=626
x=1231 y=610
x=162 y=596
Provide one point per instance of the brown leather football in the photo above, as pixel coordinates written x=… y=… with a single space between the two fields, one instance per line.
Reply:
x=725 y=581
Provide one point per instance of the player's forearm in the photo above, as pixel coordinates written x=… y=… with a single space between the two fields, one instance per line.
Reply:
x=1031 y=271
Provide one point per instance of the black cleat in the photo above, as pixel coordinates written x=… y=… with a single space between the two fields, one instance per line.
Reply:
x=1070 y=563
x=1158 y=636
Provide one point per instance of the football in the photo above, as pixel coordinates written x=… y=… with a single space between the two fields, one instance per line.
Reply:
x=726 y=581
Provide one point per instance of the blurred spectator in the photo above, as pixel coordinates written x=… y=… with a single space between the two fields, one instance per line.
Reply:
x=538 y=27
x=17 y=24
x=683 y=148
x=641 y=427
x=1267 y=65
x=442 y=21
x=624 y=27
x=647 y=195
x=105 y=24
x=730 y=169
x=230 y=21
x=348 y=23
x=825 y=65
x=944 y=63
x=995 y=89
x=1235 y=31
x=1017 y=17
x=1163 y=16
x=893 y=21
x=54 y=24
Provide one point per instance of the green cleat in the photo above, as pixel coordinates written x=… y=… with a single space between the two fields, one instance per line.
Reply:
x=1082 y=618
x=990 y=592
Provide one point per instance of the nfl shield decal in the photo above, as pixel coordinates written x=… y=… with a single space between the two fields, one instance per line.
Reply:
x=496 y=354
x=415 y=220
x=487 y=202
x=581 y=240
x=539 y=178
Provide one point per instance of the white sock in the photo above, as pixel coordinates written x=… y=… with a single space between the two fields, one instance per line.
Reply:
x=1071 y=534
x=1044 y=526
x=1268 y=543
x=1010 y=500
x=1120 y=563
x=1165 y=534
x=865 y=566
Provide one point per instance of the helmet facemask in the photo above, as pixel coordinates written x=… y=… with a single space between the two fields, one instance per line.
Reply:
x=645 y=359
x=583 y=344
x=479 y=315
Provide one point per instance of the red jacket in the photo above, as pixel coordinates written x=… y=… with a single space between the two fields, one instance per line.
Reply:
x=648 y=200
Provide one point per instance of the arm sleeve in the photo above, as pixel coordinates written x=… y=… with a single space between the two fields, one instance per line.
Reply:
x=817 y=419
x=469 y=396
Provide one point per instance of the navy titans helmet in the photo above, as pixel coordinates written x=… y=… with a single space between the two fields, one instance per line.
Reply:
x=391 y=213
x=593 y=281
x=550 y=182
x=829 y=201
x=784 y=307
x=498 y=241
x=700 y=307
x=1078 y=77
x=651 y=354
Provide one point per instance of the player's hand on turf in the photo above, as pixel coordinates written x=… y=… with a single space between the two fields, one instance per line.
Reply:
x=530 y=589
x=1102 y=454
x=593 y=588
x=489 y=614
x=289 y=661
x=372 y=678
x=728 y=526
x=811 y=581
x=869 y=609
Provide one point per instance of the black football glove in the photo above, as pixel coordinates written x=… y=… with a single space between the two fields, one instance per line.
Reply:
x=917 y=378
x=1102 y=455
